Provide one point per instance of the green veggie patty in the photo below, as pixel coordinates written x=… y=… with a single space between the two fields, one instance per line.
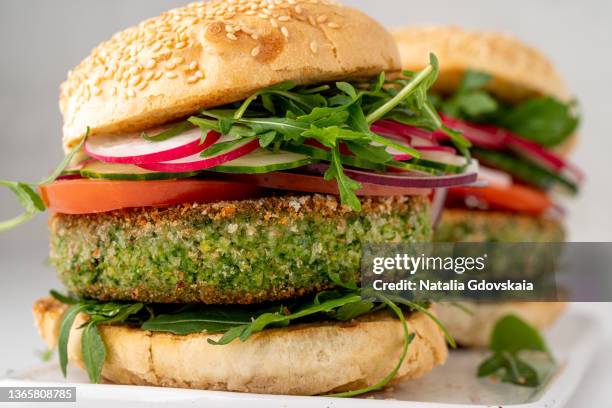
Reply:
x=237 y=252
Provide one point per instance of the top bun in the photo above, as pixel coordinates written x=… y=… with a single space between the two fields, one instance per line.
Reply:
x=211 y=53
x=518 y=70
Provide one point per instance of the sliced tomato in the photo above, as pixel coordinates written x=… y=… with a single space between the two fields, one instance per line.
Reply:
x=84 y=196
x=517 y=198
x=317 y=184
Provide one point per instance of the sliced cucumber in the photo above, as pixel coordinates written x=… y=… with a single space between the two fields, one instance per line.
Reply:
x=264 y=161
x=321 y=154
x=108 y=171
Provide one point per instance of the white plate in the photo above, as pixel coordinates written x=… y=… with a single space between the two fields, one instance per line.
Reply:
x=454 y=385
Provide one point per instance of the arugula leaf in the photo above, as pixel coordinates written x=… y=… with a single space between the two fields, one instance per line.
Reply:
x=93 y=352
x=222 y=147
x=64 y=334
x=209 y=319
x=473 y=80
x=346 y=185
x=28 y=197
x=169 y=133
x=511 y=335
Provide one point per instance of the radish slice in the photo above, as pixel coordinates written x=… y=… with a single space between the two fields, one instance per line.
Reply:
x=494 y=177
x=443 y=157
x=197 y=162
x=392 y=128
x=133 y=149
x=447 y=149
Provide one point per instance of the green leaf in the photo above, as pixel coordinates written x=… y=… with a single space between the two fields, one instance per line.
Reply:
x=64 y=334
x=265 y=139
x=473 y=80
x=544 y=120
x=63 y=298
x=65 y=162
x=347 y=89
x=93 y=352
x=352 y=310
x=376 y=154
x=219 y=148
x=512 y=334
x=475 y=104
x=169 y=133
x=346 y=185
x=210 y=319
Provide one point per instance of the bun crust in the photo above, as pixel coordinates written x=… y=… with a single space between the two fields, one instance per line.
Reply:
x=518 y=70
x=211 y=53
x=304 y=359
x=474 y=330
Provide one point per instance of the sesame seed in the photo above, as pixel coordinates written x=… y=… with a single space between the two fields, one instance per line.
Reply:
x=298 y=9
x=131 y=92
x=170 y=66
x=171 y=75
x=231 y=36
x=192 y=79
x=193 y=65
x=178 y=60
x=321 y=19
x=135 y=80
x=284 y=18
x=314 y=47
x=273 y=23
x=148 y=76
x=285 y=31
x=180 y=44
x=199 y=74
x=333 y=25
x=255 y=51
x=255 y=36
x=150 y=64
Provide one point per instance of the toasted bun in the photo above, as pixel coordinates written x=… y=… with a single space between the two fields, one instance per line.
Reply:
x=471 y=324
x=518 y=70
x=211 y=53
x=304 y=359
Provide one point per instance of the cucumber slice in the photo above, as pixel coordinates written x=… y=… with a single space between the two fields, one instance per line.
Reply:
x=321 y=154
x=524 y=170
x=114 y=171
x=264 y=161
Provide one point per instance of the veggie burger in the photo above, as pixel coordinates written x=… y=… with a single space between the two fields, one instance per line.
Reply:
x=226 y=162
x=513 y=106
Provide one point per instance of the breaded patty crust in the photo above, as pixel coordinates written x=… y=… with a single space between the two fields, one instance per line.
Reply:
x=238 y=252
x=457 y=225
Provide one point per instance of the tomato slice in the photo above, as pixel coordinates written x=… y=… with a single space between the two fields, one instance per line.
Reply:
x=317 y=184
x=84 y=196
x=516 y=198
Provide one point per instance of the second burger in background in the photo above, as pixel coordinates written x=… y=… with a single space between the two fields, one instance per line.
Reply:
x=509 y=101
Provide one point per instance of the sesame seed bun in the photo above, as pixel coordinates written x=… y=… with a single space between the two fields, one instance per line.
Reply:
x=305 y=359
x=212 y=53
x=471 y=324
x=518 y=70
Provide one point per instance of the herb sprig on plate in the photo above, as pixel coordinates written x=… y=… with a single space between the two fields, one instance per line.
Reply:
x=510 y=338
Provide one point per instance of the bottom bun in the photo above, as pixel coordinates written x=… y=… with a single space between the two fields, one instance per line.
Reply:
x=471 y=324
x=304 y=359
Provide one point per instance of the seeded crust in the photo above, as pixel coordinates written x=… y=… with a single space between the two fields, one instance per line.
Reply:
x=471 y=323
x=304 y=359
x=212 y=53
x=242 y=252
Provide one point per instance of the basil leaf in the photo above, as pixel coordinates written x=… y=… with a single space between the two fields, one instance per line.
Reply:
x=93 y=352
x=544 y=120
x=512 y=334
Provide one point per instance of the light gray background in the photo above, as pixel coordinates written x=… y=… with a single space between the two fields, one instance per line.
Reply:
x=40 y=40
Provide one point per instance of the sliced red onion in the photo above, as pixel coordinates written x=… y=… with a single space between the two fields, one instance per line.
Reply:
x=489 y=137
x=406 y=179
x=197 y=162
x=133 y=149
